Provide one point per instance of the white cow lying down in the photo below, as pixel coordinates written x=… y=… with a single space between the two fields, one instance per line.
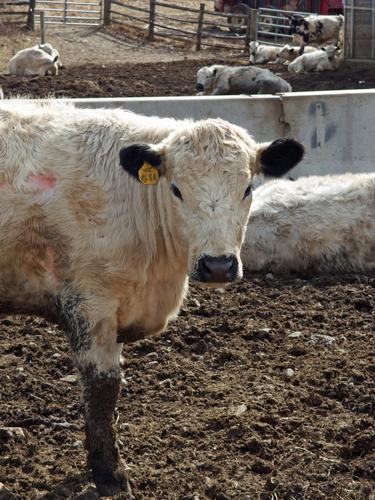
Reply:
x=288 y=53
x=260 y=53
x=326 y=59
x=319 y=223
x=233 y=80
x=49 y=49
x=34 y=61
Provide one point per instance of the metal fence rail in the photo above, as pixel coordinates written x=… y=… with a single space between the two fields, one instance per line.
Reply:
x=273 y=25
x=82 y=13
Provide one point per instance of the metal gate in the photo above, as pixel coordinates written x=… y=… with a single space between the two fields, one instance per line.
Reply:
x=273 y=25
x=73 y=12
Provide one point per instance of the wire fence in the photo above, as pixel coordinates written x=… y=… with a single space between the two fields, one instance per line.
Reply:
x=360 y=30
x=71 y=12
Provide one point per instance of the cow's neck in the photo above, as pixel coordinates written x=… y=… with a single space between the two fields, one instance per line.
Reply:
x=149 y=229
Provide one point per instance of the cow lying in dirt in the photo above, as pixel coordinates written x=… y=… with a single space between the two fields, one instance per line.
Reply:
x=288 y=53
x=49 y=49
x=232 y=80
x=315 y=29
x=318 y=223
x=100 y=211
x=34 y=61
x=326 y=59
x=260 y=54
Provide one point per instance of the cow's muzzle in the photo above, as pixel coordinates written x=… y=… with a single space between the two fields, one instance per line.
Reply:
x=199 y=87
x=221 y=269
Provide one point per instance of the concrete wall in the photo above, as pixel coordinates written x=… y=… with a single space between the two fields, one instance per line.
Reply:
x=336 y=127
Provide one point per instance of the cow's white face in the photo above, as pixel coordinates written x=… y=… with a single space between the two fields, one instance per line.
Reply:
x=253 y=47
x=208 y=169
x=206 y=78
x=212 y=204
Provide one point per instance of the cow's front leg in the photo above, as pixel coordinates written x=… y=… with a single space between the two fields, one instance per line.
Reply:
x=97 y=356
x=100 y=392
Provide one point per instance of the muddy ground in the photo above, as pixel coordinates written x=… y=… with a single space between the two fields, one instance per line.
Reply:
x=265 y=390
x=174 y=78
x=262 y=391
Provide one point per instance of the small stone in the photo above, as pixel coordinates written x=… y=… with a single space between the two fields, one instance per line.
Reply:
x=289 y=372
x=77 y=444
x=237 y=411
x=270 y=276
x=72 y=379
x=166 y=382
x=295 y=335
x=56 y=355
x=195 y=303
x=261 y=467
x=12 y=432
x=20 y=369
x=326 y=340
x=63 y=423
x=262 y=334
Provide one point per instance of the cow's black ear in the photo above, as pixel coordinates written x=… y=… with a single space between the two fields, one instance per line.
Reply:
x=142 y=162
x=280 y=157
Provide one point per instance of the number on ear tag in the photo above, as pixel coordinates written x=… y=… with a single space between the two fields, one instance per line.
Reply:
x=148 y=174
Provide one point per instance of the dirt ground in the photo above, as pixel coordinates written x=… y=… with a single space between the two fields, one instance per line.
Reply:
x=263 y=391
x=126 y=66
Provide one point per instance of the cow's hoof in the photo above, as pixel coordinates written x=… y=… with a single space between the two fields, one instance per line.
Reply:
x=110 y=482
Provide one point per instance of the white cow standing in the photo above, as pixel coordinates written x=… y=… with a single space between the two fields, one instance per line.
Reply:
x=34 y=61
x=318 y=223
x=100 y=211
x=232 y=80
x=315 y=29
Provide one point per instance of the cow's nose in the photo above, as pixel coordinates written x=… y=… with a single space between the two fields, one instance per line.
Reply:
x=199 y=87
x=221 y=269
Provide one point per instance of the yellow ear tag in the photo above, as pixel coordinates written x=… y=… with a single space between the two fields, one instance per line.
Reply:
x=148 y=174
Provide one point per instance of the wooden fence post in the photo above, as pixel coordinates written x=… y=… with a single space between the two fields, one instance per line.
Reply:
x=42 y=28
x=200 y=27
x=151 y=21
x=253 y=25
x=248 y=32
x=107 y=12
x=30 y=15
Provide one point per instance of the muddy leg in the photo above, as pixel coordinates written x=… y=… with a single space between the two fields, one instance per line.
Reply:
x=97 y=356
x=100 y=392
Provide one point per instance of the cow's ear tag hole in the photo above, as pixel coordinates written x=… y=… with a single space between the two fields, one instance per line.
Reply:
x=148 y=174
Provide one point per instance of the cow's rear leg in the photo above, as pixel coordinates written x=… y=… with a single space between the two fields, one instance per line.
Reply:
x=97 y=356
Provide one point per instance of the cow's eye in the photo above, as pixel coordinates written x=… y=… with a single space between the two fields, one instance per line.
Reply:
x=248 y=191
x=176 y=191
